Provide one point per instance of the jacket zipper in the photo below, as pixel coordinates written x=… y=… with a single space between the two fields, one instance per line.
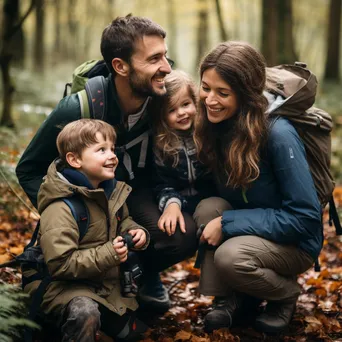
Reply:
x=191 y=175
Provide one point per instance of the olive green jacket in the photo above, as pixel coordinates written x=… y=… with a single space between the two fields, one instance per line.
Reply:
x=90 y=267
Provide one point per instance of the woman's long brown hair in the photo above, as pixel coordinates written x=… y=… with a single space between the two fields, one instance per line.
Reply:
x=231 y=148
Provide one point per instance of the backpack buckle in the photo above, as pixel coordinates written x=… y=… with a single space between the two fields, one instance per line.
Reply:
x=301 y=64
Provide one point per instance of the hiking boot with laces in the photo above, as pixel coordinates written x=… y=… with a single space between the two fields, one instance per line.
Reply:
x=153 y=295
x=276 y=317
x=224 y=309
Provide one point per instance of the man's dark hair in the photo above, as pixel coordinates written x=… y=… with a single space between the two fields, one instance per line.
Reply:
x=119 y=37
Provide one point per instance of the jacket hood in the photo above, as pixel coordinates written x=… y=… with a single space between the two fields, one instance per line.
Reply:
x=62 y=183
x=293 y=89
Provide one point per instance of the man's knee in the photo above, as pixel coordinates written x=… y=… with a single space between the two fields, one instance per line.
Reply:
x=189 y=240
x=210 y=208
x=181 y=245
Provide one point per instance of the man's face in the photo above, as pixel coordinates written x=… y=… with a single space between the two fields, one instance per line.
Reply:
x=149 y=67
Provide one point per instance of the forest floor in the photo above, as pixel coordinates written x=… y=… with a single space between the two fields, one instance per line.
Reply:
x=319 y=309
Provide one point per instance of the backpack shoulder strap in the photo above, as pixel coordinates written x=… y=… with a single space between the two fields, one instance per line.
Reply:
x=34 y=236
x=333 y=217
x=93 y=98
x=80 y=213
x=84 y=106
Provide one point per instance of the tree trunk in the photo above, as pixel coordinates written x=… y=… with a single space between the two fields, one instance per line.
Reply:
x=87 y=29
x=39 y=46
x=17 y=44
x=172 y=30
x=269 y=31
x=223 y=32
x=332 y=71
x=9 y=28
x=9 y=11
x=57 y=8
x=202 y=30
x=73 y=39
x=6 y=118
x=111 y=11
x=285 y=48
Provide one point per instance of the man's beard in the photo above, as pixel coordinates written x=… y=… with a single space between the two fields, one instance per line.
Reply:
x=140 y=86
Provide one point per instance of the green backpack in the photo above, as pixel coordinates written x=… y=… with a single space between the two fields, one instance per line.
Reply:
x=89 y=81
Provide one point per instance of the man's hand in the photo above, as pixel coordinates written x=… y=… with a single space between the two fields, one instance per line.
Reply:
x=139 y=237
x=120 y=248
x=168 y=221
x=212 y=233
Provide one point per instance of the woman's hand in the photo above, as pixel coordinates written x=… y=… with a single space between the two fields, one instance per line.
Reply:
x=212 y=233
x=168 y=221
x=120 y=248
x=139 y=237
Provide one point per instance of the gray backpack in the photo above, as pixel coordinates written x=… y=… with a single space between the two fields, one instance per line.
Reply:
x=297 y=85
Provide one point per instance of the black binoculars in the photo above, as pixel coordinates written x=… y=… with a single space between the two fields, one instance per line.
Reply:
x=130 y=271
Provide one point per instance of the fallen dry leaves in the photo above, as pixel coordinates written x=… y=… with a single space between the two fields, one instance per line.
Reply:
x=319 y=310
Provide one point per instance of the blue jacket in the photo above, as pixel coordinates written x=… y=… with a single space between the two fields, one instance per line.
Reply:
x=281 y=205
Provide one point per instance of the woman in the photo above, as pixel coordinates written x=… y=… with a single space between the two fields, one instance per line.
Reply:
x=267 y=221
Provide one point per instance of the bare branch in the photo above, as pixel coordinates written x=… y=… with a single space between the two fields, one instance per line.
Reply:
x=21 y=21
x=223 y=31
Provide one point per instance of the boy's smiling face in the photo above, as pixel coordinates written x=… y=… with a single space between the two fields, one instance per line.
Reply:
x=98 y=161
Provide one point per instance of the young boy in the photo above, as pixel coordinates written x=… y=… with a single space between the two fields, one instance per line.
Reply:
x=85 y=292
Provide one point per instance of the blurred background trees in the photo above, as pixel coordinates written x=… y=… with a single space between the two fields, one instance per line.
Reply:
x=332 y=64
x=67 y=32
x=42 y=41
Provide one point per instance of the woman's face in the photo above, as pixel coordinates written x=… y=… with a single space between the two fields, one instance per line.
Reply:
x=218 y=97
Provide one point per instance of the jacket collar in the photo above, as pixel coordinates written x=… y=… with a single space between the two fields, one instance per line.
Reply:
x=79 y=179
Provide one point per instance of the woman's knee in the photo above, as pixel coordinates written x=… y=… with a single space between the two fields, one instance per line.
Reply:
x=232 y=263
x=224 y=261
x=210 y=208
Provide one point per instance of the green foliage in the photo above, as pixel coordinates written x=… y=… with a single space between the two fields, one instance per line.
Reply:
x=12 y=313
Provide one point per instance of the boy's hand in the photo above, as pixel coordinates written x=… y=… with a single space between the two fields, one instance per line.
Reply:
x=120 y=248
x=168 y=221
x=139 y=237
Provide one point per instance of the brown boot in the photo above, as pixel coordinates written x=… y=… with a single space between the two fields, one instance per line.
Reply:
x=276 y=317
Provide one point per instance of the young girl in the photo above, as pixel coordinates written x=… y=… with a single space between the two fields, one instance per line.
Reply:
x=182 y=181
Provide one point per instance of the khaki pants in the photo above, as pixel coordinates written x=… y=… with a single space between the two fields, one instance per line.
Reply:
x=249 y=264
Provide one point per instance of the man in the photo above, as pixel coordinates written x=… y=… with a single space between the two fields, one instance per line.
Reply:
x=136 y=55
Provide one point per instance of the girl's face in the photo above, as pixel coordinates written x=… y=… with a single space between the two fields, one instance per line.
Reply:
x=219 y=98
x=181 y=111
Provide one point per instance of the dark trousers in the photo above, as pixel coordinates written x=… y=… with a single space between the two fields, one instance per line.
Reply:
x=163 y=251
